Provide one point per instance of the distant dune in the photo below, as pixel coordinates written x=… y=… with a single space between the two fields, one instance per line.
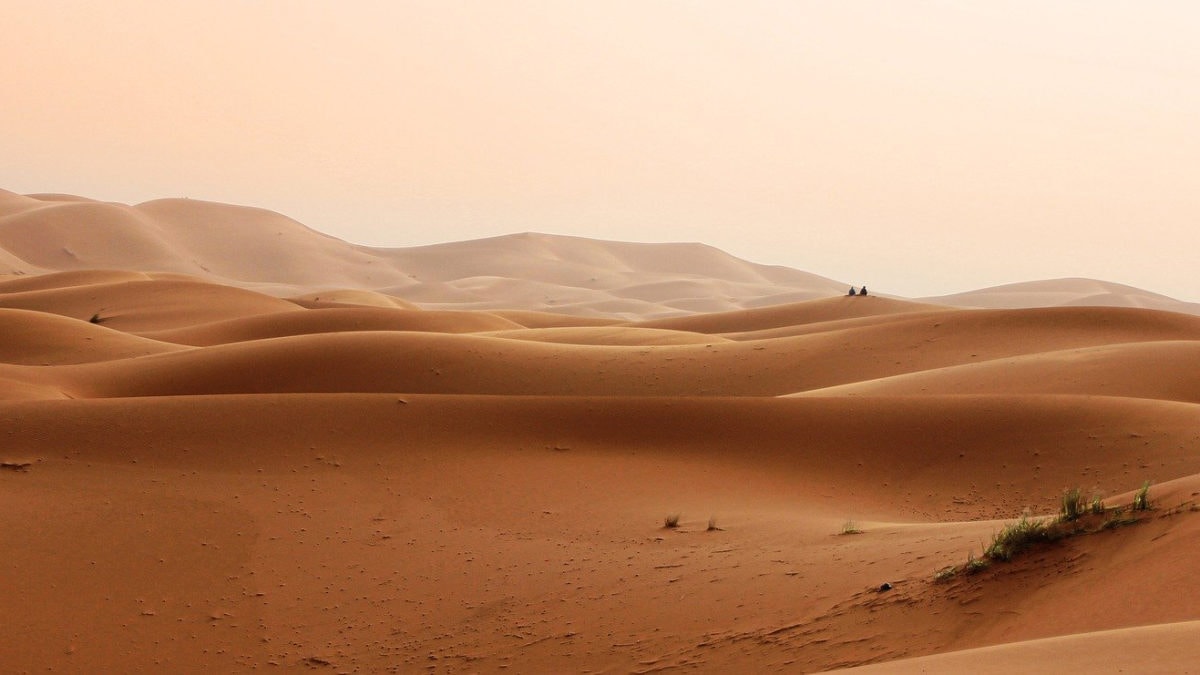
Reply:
x=1065 y=292
x=232 y=443
x=271 y=253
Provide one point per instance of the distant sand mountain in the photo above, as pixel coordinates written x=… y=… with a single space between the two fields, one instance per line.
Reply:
x=271 y=253
x=1071 y=292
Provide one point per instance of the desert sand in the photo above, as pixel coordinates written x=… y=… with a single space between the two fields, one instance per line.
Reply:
x=232 y=443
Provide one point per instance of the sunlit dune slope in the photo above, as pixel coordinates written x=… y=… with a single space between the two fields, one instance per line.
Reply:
x=142 y=305
x=1148 y=370
x=38 y=338
x=1063 y=293
x=532 y=319
x=790 y=315
x=610 y=335
x=1160 y=649
x=331 y=320
x=351 y=297
x=59 y=280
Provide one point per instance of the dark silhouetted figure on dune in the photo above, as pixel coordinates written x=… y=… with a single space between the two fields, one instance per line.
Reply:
x=852 y=291
x=863 y=291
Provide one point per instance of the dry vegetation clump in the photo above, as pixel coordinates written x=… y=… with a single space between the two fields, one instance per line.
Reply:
x=671 y=521
x=850 y=527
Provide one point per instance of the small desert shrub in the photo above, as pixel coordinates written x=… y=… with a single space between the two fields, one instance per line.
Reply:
x=1016 y=537
x=1097 y=506
x=671 y=521
x=1141 y=499
x=712 y=524
x=849 y=527
x=1072 y=505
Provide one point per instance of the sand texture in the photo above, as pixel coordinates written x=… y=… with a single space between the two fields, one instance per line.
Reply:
x=230 y=447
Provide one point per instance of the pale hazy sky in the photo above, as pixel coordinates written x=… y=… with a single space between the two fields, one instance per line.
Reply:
x=921 y=147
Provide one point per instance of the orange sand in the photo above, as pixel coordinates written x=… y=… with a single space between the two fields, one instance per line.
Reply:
x=213 y=478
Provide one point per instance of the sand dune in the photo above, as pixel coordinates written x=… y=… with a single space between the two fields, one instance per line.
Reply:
x=351 y=297
x=1172 y=646
x=38 y=338
x=1141 y=370
x=147 y=305
x=59 y=280
x=271 y=253
x=331 y=320
x=439 y=525
x=791 y=315
x=310 y=358
x=1065 y=293
x=622 y=336
x=239 y=444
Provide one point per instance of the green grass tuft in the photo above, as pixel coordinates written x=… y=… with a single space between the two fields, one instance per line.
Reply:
x=849 y=527
x=1016 y=537
x=1072 y=505
x=975 y=565
x=1141 y=499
